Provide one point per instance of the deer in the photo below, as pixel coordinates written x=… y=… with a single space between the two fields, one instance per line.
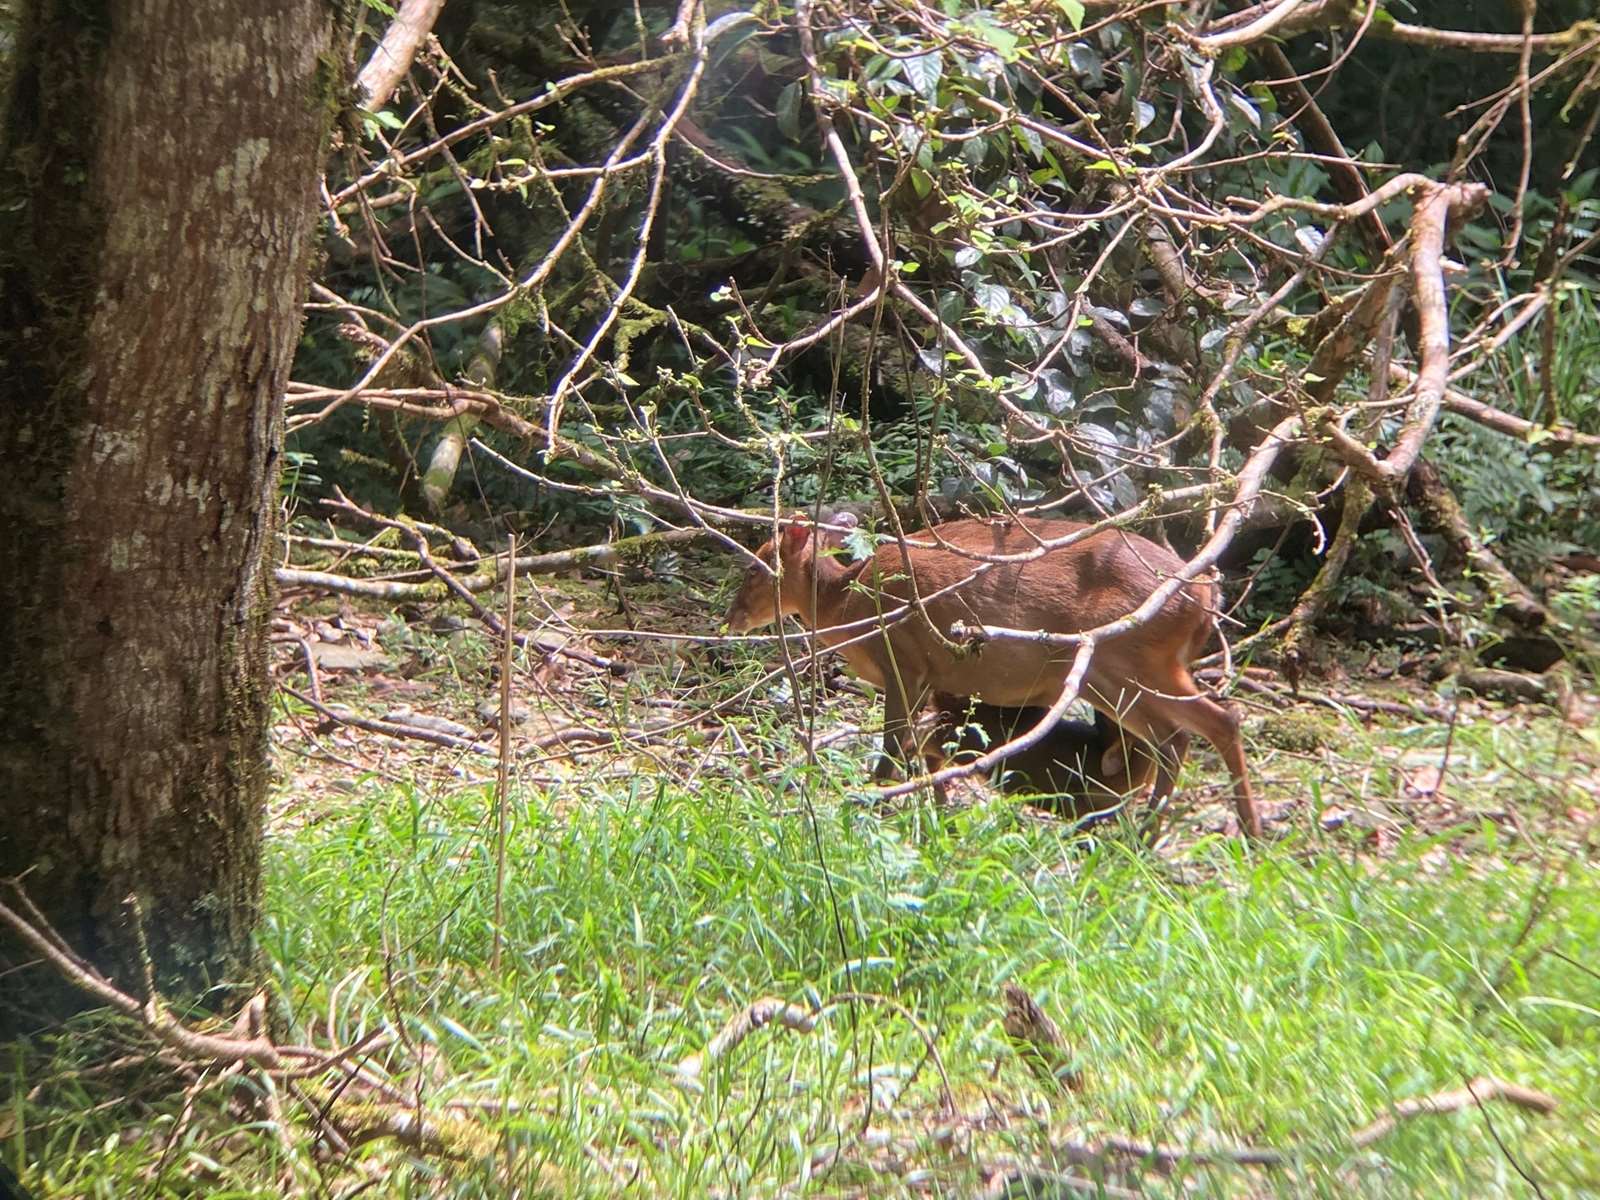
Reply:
x=1139 y=677
x=1087 y=769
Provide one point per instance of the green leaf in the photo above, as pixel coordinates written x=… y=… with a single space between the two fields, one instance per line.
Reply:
x=860 y=543
x=923 y=72
x=992 y=298
x=983 y=27
x=1085 y=60
x=788 y=111
x=1073 y=10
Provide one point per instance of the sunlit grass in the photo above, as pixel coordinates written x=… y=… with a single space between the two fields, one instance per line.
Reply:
x=1226 y=996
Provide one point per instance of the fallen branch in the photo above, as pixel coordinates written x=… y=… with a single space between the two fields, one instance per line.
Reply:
x=1443 y=514
x=578 y=736
x=1579 y=38
x=1014 y=1180
x=1282 y=19
x=1476 y=1092
x=1258 y=27
x=771 y=1011
x=390 y=728
x=1436 y=205
x=546 y=645
x=1297 y=642
x=1553 y=437
x=379 y=1110
x=1360 y=320
x=767 y=1011
x=1307 y=116
x=440 y=404
x=371 y=589
x=151 y=1013
x=1432 y=712
x=440 y=474
x=1166 y=1158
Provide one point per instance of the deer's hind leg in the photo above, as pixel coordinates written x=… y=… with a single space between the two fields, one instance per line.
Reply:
x=1170 y=708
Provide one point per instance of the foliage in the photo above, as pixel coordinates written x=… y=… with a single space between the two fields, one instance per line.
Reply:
x=1084 y=294
x=1534 y=504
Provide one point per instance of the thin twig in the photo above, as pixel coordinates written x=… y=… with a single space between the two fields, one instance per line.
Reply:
x=508 y=644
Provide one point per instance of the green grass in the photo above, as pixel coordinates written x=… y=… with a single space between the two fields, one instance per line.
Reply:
x=1264 y=996
x=1218 y=996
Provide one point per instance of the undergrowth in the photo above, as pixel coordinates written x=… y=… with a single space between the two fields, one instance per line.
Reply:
x=1275 y=995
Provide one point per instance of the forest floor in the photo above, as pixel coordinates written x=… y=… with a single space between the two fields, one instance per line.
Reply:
x=1233 y=1019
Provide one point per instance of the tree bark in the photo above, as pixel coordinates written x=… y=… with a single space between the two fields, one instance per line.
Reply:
x=158 y=161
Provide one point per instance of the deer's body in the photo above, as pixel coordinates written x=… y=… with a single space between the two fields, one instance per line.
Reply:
x=1139 y=678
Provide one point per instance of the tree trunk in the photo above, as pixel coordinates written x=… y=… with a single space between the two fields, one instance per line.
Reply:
x=157 y=192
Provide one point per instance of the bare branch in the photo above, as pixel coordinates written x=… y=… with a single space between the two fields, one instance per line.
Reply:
x=1258 y=28
x=1559 y=438
x=153 y=1016
x=1444 y=202
x=1477 y=1092
x=1282 y=18
x=767 y=1011
x=412 y=23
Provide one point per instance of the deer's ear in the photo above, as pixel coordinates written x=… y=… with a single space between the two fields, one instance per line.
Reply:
x=798 y=531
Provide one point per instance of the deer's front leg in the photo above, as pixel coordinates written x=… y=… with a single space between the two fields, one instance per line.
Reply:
x=897 y=731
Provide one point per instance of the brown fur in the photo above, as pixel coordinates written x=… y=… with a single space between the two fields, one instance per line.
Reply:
x=1140 y=679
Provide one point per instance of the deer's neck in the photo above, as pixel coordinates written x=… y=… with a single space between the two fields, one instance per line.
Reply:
x=822 y=589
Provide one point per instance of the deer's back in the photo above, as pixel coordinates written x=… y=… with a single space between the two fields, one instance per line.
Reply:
x=1067 y=590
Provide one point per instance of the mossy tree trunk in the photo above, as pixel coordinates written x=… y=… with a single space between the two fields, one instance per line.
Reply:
x=158 y=161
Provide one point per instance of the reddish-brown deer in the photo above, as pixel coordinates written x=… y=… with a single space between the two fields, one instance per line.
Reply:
x=1079 y=769
x=1139 y=678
